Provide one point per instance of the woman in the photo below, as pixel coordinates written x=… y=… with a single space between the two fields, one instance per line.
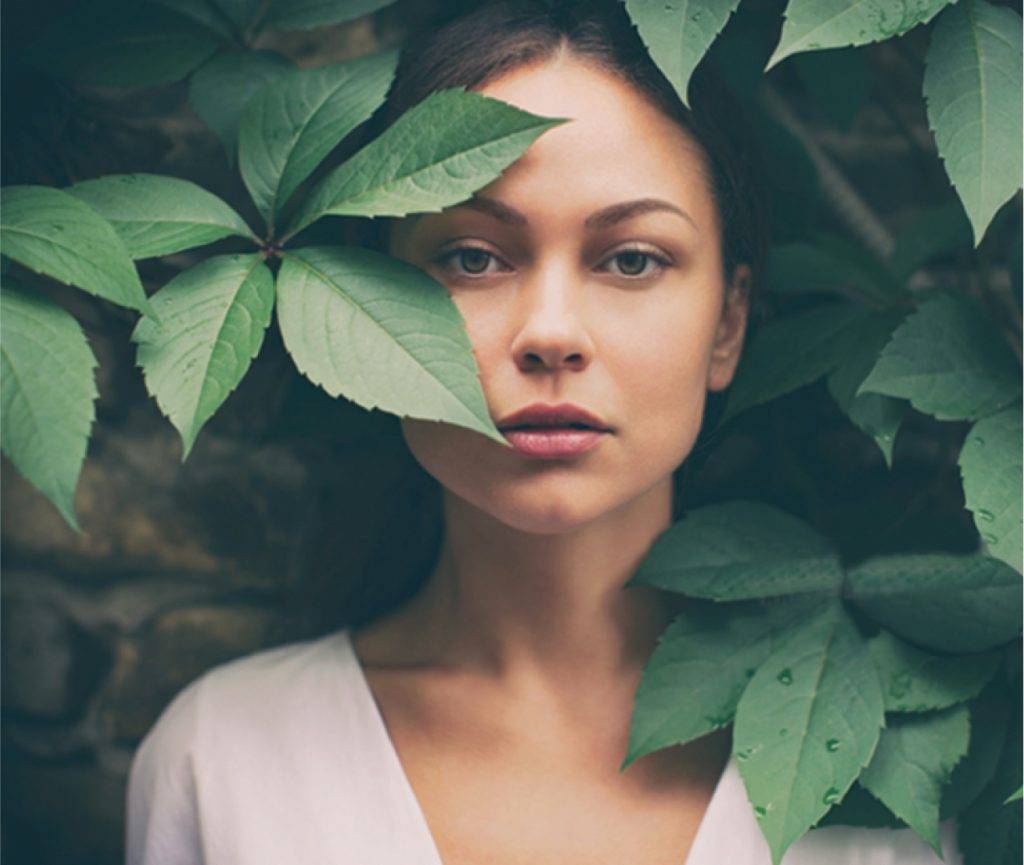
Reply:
x=605 y=280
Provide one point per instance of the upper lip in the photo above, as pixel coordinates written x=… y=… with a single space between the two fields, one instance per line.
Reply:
x=541 y=414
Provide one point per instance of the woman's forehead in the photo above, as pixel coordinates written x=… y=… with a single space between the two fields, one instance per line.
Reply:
x=617 y=146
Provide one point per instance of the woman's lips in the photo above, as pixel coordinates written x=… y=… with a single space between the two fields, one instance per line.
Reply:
x=553 y=442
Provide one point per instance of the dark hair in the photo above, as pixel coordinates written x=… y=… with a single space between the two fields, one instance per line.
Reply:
x=478 y=46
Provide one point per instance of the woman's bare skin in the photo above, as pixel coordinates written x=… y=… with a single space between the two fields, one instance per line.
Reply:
x=507 y=684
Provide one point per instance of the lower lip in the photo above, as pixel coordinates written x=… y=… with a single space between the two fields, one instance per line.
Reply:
x=554 y=442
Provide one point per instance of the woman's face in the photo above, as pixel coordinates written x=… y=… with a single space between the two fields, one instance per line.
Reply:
x=620 y=311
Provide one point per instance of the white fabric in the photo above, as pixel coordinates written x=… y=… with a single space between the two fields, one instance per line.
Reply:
x=283 y=758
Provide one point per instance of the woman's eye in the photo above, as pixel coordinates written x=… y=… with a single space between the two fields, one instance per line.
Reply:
x=632 y=263
x=472 y=260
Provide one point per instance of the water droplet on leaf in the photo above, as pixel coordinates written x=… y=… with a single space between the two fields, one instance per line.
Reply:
x=832 y=745
x=785 y=677
x=831 y=796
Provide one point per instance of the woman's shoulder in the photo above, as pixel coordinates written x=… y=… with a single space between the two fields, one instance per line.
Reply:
x=254 y=696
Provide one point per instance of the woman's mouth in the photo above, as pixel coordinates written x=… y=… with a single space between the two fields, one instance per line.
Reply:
x=554 y=442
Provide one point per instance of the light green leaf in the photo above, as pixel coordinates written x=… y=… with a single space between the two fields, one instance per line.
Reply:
x=306 y=14
x=1014 y=796
x=990 y=465
x=806 y=725
x=122 y=44
x=214 y=316
x=916 y=681
x=678 y=33
x=51 y=232
x=945 y=602
x=288 y=128
x=791 y=352
x=219 y=90
x=972 y=87
x=934 y=232
x=811 y=25
x=156 y=215
x=879 y=416
x=382 y=333
x=948 y=360
x=436 y=154
x=739 y=550
x=914 y=758
x=47 y=390
x=702 y=663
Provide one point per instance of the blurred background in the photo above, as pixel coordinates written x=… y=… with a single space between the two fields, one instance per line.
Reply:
x=296 y=513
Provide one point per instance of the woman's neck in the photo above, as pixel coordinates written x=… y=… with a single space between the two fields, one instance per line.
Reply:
x=526 y=608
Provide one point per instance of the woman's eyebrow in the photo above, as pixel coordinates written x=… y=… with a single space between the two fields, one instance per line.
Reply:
x=603 y=218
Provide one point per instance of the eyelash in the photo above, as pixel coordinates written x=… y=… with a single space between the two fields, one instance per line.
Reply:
x=661 y=261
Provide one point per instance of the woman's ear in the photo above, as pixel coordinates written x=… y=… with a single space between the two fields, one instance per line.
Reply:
x=728 y=345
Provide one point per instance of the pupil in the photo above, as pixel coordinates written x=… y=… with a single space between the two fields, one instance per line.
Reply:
x=637 y=258
x=480 y=256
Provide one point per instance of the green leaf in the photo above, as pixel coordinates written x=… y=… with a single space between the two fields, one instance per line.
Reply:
x=679 y=33
x=811 y=25
x=879 y=416
x=204 y=12
x=945 y=602
x=436 y=154
x=51 y=232
x=806 y=725
x=934 y=232
x=990 y=830
x=990 y=714
x=703 y=661
x=241 y=13
x=47 y=389
x=916 y=681
x=791 y=352
x=156 y=215
x=306 y=14
x=914 y=758
x=214 y=316
x=288 y=128
x=831 y=263
x=219 y=90
x=860 y=808
x=382 y=333
x=123 y=44
x=972 y=87
x=948 y=360
x=739 y=550
x=990 y=465
x=1014 y=796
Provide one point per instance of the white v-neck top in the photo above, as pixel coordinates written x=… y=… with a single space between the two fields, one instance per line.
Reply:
x=283 y=758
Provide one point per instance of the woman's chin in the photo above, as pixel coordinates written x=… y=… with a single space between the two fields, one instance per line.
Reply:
x=547 y=514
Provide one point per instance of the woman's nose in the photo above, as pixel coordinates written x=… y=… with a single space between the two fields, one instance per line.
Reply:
x=552 y=333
